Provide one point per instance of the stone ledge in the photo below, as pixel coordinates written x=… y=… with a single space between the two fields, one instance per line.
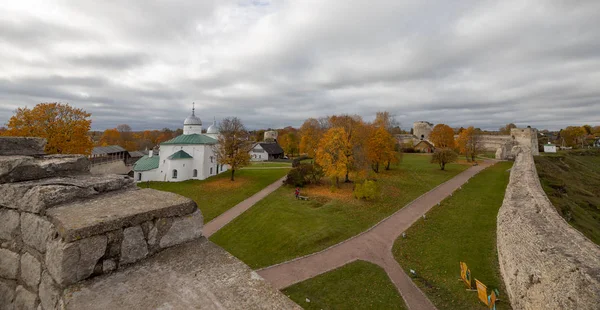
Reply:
x=197 y=273
x=26 y=168
x=22 y=146
x=36 y=196
x=118 y=210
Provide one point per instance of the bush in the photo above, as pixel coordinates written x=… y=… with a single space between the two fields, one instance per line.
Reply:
x=297 y=160
x=369 y=190
x=304 y=174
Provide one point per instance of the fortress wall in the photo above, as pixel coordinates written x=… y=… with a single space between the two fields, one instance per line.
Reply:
x=545 y=263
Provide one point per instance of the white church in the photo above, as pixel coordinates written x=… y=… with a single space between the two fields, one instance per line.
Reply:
x=185 y=157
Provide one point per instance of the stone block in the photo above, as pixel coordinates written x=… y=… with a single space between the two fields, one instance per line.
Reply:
x=115 y=211
x=183 y=229
x=108 y=265
x=36 y=196
x=24 y=299
x=9 y=264
x=49 y=292
x=31 y=270
x=9 y=224
x=26 y=168
x=36 y=231
x=74 y=261
x=22 y=146
x=134 y=246
x=7 y=293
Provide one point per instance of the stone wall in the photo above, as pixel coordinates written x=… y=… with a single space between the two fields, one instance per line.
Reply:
x=545 y=263
x=113 y=167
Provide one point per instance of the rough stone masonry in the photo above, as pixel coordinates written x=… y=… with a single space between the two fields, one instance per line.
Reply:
x=64 y=232
x=545 y=263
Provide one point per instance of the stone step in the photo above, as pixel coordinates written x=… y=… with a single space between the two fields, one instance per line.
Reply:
x=36 y=196
x=22 y=146
x=117 y=210
x=193 y=275
x=25 y=168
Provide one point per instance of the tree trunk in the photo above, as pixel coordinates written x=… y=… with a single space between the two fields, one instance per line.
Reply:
x=443 y=165
x=337 y=182
x=387 y=166
x=347 y=180
x=232 y=173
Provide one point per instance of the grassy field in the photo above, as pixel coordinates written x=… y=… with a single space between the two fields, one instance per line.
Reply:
x=218 y=194
x=358 y=285
x=462 y=228
x=268 y=164
x=488 y=154
x=279 y=227
x=572 y=182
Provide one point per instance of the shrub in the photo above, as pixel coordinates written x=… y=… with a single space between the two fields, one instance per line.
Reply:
x=304 y=174
x=368 y=190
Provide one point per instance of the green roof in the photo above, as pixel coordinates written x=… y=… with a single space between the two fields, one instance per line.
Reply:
x=180 y=155
x=146 y=163
x=191 y=139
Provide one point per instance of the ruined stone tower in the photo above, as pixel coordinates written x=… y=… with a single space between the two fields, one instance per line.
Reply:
x=70 y=240
x=422 y=129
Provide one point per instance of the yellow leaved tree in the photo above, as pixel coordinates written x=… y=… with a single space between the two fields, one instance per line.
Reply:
x=442 y=136
x=332 y=153
x=64 y=127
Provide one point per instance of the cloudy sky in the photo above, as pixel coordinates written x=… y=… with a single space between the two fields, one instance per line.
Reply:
x=276 y=63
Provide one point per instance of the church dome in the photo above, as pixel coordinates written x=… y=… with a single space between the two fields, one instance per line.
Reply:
x=213 y=128
x=192 y=120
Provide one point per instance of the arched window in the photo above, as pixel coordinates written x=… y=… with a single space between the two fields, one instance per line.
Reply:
x=139 y=176
x=195 y=173
x=174 y=173
x=422 y=137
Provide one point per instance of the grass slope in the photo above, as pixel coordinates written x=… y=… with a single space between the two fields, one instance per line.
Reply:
x=462 y=228
x=357 y=285
x=218 y=194
x=280 y=228
x=572 y=182
x=259 y=164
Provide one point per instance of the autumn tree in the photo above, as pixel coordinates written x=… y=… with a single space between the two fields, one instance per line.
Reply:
x=310 y=135
x=469 y=143
x=289 y=141
x=234 y=144
x=442 y=136
x=64 y=127
x=443 y=156
x=381 y=148
x=573 y=135
x=110 y=137
x=506 y=129
x=332 y=153
x=356 y=137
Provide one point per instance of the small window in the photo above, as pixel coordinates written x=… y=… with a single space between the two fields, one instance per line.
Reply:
x=211 y=159
x=195 y=173
x=139 y=176
x=174 y=173
x=211 y=170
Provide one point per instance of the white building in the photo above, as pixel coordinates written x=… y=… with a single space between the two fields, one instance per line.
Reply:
x=549 y=148
x=264 y=151
x=185 y=157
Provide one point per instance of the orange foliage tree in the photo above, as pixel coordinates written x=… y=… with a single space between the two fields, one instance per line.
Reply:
x=234 y=145
x=380 y=148
x=469 y=143
x=310 y=135
x=442 y=136
x=332 y=153
x=356 y=134
x=110 y=137
x=64 y=127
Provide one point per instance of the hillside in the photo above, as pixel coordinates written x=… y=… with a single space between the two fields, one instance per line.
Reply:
x=572 y=182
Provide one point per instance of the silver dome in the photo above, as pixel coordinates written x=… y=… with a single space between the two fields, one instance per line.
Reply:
x=213 y=128
x=192 y=120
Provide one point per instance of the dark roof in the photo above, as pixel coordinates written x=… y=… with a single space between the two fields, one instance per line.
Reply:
x=146 y=163
x=424 y=141
x=191 y=139
x=271 y=148
x=136 y=154
x=181 y=154
x=100 y=150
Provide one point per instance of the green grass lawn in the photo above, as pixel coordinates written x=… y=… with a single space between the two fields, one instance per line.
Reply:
x=218 y=194
x=488 y=154
x=462 y=228
x=357 y=285
x=572 y=182
x=279 y=227
x=259 y=164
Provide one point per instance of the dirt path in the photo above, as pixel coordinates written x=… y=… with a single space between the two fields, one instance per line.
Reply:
x=374 y=245
x=220 y=221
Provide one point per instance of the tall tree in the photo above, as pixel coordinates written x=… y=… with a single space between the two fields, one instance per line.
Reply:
x=380 y=148
x=64 y=127
x=469 y=143
x=356 y=136
x=573 y=135
x=332 y=153
x=442 y=136
x=310 y=135
x=444 y=156
x=234 y=144
x=110 y=136
x=289 y=142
